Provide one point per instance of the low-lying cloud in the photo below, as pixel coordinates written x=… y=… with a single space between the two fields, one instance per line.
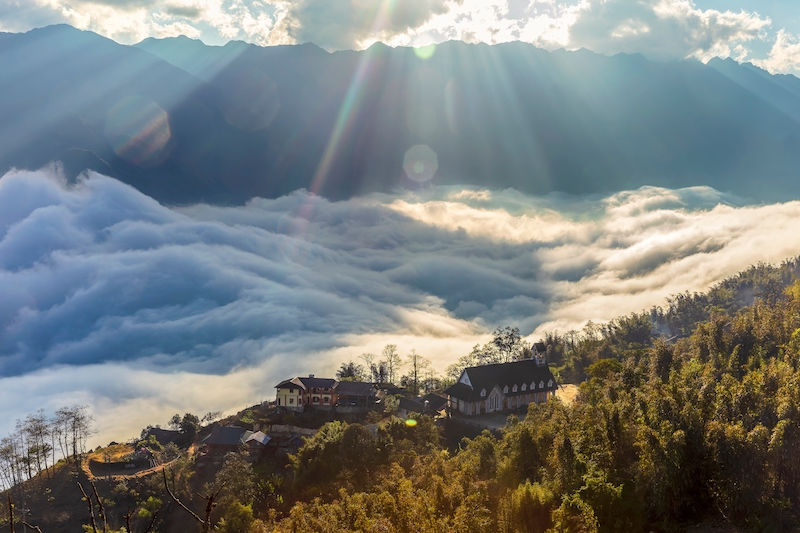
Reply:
x=112 y=299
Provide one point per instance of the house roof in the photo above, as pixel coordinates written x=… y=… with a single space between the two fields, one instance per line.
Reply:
x=227 y=436
x=288 y=384
x=354 y=388
x=410 y=405
x=435 y=402
x=258 y=437
x=164 y=436
x=540 y=347
x=485 y=377
x=307 y=383
x=312 y=382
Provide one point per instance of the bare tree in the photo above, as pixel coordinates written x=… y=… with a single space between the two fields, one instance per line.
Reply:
x=210 y=504
x=418 y=365
x=392 y=359
x=369 y=359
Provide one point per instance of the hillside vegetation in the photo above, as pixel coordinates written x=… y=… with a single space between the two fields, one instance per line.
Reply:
x=688 y=418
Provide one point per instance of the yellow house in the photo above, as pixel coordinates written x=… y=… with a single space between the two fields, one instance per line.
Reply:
x=289 y=395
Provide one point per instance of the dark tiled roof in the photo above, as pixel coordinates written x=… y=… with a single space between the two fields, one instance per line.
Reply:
x=165 y=436
x=288 y=384
x=354 y=388
x=306 y=383
x=540 y=347
x=459 y=391
x=227 y=436
x=435 y=402
x=502 y=375
x=319 y=383
x=410 y=405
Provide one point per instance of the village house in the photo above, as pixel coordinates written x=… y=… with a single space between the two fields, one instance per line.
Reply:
x=298 y=392
x=503 y=386
x=225 y=439
x=355 y=394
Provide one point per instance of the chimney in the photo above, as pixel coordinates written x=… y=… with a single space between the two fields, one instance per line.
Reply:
x=311 y=375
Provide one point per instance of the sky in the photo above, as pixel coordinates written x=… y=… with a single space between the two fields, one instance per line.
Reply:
x=138 y=310
x=764 y=32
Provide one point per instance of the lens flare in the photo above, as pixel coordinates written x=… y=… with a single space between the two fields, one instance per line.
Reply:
x=420 y=163
x=411 y=422
x=425 y=52
x=139 y=132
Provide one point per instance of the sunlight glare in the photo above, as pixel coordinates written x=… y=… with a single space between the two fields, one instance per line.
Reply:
x=138 y=131
x=420 y=163
x=425 y=52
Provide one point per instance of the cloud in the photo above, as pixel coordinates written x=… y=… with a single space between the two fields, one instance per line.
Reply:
x=784 y=55
x=347 y=24
x=112 y=299
x=662 y=29
x=659 y=29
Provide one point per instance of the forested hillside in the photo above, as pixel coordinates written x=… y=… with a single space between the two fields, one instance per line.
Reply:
x=664 y=434
x=689 y=416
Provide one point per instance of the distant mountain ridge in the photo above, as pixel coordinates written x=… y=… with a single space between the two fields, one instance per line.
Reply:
x=185 y=122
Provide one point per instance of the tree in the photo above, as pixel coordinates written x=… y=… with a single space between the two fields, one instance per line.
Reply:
x=174 y=422
x=76 y=424
x=210 y=417
x=418 y=365
x=350 y=371
x=369 y=361
x=508 y=343
x=189 y=426
x=235 y=481
x=393 y=361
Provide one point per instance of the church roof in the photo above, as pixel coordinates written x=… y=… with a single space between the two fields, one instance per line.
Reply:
x=484 y=378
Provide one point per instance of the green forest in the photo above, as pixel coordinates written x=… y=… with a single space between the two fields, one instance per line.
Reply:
x=687 y=414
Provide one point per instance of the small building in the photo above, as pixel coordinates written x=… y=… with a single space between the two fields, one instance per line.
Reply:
x=407 y=406
x=312 y=391
x=355 y=394
x=501 y=387
x=433 y=404
x=165 y=436
x=257 y=444
x=225 y=439
x=539 y=352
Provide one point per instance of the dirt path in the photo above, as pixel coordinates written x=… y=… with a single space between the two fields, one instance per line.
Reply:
x=567 y=392
x=132 y=475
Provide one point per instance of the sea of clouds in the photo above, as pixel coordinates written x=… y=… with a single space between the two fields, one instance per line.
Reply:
x=141 y=310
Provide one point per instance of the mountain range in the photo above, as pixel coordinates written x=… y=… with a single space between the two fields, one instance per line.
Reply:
x=184 y=122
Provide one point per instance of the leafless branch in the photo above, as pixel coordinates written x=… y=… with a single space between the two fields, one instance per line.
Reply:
x=91 y=507
x=100 y=507
x=176 y=500
x=152 y=521
x=10 y=512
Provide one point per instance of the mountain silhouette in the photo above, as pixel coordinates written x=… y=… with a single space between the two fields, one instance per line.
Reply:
x=185 y=122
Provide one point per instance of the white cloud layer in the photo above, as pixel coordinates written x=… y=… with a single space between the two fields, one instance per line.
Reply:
x=141 y=311
x=659 y=29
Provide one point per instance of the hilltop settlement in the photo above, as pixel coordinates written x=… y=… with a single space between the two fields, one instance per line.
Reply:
x=686 y=418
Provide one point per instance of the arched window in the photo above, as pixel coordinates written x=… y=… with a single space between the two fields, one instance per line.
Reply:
x=483 y=392
x=541 y=384
x=533 y=385
x=550 y=383
x=514 y=389
x=524 y=386
x=505 y=389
